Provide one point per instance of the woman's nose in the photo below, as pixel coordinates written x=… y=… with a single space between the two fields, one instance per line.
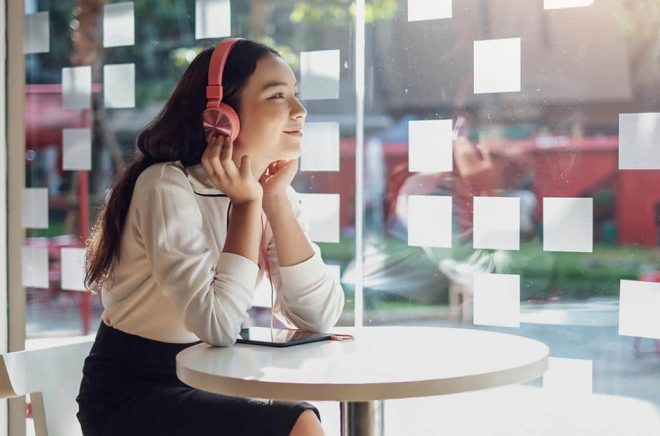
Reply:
x=298 y=110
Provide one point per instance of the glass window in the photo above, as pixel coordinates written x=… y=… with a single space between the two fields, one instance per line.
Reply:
x=97 y=74
x=508 y=175
x=515 y=185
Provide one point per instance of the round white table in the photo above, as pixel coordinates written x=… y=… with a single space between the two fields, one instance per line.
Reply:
x=381 y=363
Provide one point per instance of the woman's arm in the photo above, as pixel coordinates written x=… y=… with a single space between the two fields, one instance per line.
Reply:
x=212 y=295
x=244 y=231
x=290 y=240
x=308 y=296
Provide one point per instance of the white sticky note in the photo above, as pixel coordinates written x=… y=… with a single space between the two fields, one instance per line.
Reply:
x=419 y=10
x=568 y=224
x=319 y=71
x=497 y=65
x=320 y=147
x=322 y=214
x=212 y=18
x=639 y=306
x=496 y=299
x=35 y=267
x=119 y=85
x=639 y=141
x=430 y=146
x=561 y=4
x=77 y=87
x=36 y=34
x=496 y=223
x=73 y=269
x=77 y=149
x=429 y=220
x=118 y=24
x=569 y=376
x=35 y=208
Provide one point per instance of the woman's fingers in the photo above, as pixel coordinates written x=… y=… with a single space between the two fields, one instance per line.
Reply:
x=245 y=170
x=485 y=153
x=218 y=163
x=206 y=160
x=217 y=172
x=226 y=161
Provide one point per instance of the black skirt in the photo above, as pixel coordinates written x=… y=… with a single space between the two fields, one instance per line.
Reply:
x=129 y=387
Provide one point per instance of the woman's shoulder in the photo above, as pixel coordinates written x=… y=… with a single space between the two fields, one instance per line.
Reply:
x=170 y=172
x=161 y=176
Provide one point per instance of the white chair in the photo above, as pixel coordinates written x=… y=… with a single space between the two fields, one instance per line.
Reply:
x=52 y=378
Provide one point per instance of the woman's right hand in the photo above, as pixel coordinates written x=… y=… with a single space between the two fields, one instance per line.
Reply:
x=238 y=183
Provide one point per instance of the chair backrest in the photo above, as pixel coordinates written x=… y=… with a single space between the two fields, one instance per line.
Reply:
x=52 y=378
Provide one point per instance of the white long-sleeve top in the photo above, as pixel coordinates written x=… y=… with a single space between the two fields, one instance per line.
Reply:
x=173 y=282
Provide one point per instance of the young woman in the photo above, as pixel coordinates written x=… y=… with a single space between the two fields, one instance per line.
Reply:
x=175 y=253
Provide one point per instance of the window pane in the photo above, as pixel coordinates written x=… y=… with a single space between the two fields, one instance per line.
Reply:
x=95 y=77
x=546 y=174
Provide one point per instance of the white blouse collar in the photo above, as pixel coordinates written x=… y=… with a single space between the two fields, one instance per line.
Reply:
x=200 y=180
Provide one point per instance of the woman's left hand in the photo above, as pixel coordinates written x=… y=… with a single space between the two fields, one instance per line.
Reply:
x=276 y=180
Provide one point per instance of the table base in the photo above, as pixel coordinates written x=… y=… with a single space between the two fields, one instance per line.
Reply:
x=362 y=418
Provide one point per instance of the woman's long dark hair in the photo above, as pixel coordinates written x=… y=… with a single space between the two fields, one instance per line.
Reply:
x=175 y=134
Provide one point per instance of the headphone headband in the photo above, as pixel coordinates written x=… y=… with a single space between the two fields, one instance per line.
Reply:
x=220 y=53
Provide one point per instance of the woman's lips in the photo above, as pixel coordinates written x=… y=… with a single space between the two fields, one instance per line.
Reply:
x=294 y=133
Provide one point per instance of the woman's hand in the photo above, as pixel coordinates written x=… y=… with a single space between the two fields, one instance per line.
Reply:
x=276 y=180
x=238 y=183
x=475 y=165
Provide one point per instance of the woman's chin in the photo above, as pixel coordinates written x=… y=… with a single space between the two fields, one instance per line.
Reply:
x=293 y=152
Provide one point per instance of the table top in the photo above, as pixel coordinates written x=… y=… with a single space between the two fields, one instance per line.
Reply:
x=381 y=363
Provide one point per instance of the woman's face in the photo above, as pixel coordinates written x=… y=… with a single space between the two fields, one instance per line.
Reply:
x=271 y=116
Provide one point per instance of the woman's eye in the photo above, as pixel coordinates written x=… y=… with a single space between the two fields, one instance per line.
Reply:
x=281 y=95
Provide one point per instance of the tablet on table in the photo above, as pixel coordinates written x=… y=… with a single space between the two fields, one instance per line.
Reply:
x=279 y=337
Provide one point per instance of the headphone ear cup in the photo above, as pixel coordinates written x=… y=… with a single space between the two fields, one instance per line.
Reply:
x=233 y=119
x=221 y=120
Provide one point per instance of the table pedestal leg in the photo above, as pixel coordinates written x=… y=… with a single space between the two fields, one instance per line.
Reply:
x=362 y=418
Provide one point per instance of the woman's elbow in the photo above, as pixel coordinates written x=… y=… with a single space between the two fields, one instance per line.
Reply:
x=228 y=335
x=225 y=341
x=328 y=322
x=339 y=306
x=220 y=336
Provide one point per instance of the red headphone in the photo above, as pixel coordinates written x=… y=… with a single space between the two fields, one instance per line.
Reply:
x=218 y=117
x=221 y=119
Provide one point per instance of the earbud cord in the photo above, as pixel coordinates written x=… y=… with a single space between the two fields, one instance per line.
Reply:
x=267 y=265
